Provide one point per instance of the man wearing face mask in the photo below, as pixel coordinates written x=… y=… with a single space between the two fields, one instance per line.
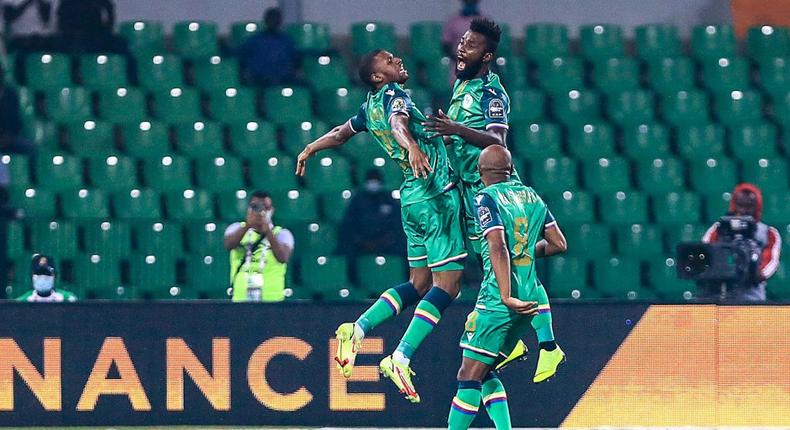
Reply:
x=259 y=253
x=44 y=284
x=747 y=201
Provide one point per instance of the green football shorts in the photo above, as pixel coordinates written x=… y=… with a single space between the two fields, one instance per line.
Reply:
x=433 y=232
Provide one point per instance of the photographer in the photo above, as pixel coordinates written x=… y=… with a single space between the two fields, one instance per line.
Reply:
x=747 y=201
x=259 y=253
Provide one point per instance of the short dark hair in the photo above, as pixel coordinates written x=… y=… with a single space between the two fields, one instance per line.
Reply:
x=366 y=67
x=273 y=17
x=260 y=194
x=490 y=30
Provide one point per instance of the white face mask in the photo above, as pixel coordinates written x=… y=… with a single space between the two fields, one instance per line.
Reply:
x=43 y=284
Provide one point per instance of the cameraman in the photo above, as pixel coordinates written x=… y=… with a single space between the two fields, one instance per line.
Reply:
x=747 y=200
x=259 y=253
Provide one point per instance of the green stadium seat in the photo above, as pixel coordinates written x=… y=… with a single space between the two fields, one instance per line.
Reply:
x=618 y=278
x=437 y=73
x=59 y=172
x=45 y=135
x=110 y=238
x=671 y=74
x=576 y=107
x=780 y=284
x=273 y=173
x=700 y=142
x=572 y=207
x=646 y=141
x=664 y=279
x=146 y=140
x=591 y=140
x=623 y=207
x=739 y=107
x=114 y=173
x=628 y=108
x=91 y=139
x=585 y=237
x=554 y=175
x=208 y=275
x=326 y=72
x=328 y=173
x=337 y=105
x=15 y=239
x=367 y=36
x=775 y=75
x=219 y=174
x=639 y=240
x=545 y=41
x=18 y=168
x=48 y=71
x=169 y=173
x=656 y=41
x=153 y=276
x=767 y=42
x=99 y=277
x=776 y=208
x=232 y=205
x=362 y=149
x=561 y=74
x=310 y=36
x=288 y=105
x=768 y=174
x=85 y=204
x=505 y=47
x=781 y=108
x=163 y=239
x=216 y=73
x=376 y=273
x=253 y=138
x=334 y=203
x=684 y=233
x=606 y=174
x=56 y=238
x=297 y=135
x=677 y=208
x=568 y=278
x=537 y=140
x=425 y=38
x=195 y=39
x=177 y=105
x=345 y=294
x=714 y=175
x=8 y=63
x=726 y=74
x=136 y=204
x=69 y=105
x=199 y=139
x=660 y=175
x=527 y=106
x=160 y=72
x=189 y=205
x=513 y=71
x=103 y=71
x=316 y=238
x=296 y=206
x=717 y=203
x=241 y=31
x=614 y=75
x=753 y=141
x=326 y=273
x=390 y=172
x=122 y=105
x=683 y=108
x=206 y=238
x=601 y=41
x=143 y=37
x=709 y=42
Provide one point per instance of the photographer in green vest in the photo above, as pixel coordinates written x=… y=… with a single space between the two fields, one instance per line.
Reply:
x=259 y=253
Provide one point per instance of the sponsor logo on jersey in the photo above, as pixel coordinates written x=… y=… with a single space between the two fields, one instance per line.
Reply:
x=468 y=100
x=389 y=92
x=496 y=109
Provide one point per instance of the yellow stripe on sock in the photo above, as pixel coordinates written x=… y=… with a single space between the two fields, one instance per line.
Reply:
x=427 y=315
x=464 y=405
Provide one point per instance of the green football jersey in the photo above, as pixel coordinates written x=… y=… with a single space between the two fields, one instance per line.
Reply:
x=480 y=104
x=56 y=296
x=521 y=213
x=374 y=116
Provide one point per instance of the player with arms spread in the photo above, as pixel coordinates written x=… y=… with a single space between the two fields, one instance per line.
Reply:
x=513 y=218
x=431 y=210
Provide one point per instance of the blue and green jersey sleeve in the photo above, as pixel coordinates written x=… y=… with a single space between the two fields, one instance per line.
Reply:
x=495 y=105
x=396 y=101
x=487 y=214
x=359 y=121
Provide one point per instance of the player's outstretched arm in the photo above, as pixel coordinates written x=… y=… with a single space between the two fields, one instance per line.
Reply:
x=333 y=138
x=500 y=263
x=441 y=125
x=553 y=242
x=420 y=164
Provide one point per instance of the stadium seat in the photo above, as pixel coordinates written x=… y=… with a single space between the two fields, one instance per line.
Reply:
x=591 y=140
x=775 y=75
x=425 y=38
x=232 y=205
x=334 y=203
x=296 y=206
x=671 y=74
x=288 y=105
x=781 y=108
x=561 y=74
x=169 y=173
x=326 y=72
x=199 y=139
x=606 y=174
x=568 y=278
x=545 y=41
x=623 y=207
x=717 y=203
x=310 y=36
x=122 y=105
x=646 y=141
x=367 y=36
x=48 y=71
x=195 y=39
x=15 y=239
x=572 y=207
x=34 y=202
x=110 y=238
x=136 y=204
x=664 y=279
x=700 y=142
x=639 y=240
x=177 y=105
x=683 y=108
x=437 y=73
x=146 y=139
x=617 y=277
x=677 y=208
x=628 y=108
x=44 y=134
x=362 y=149
x=656 y=41
x=739 y=107
x=714 y=175
x=513 y=72
x=55 y=238
x=376 y=273
x=85 y=204
x=537 y=140
x=143 y=37
x=241 y=31
x=160 y=72
x=28 y=109
x=576 y=107
x=233 y=105
x=99 y=277
x=753 y=141
x=586 y=238
x=726 y=74
x=776 y=208
x=59 y=172
x=505 y=47
x=766 y=42
x=163 y=239
x=527 y=106
x=91 y=139
x=216 y=73
x=769 y=175
x=325 y=272
x=208 y=275
x=206 y=238
x=614 y=75
x=253 y=138
x=114 y=173
x=328 y=173
x=273 y=173
x=660 y=175
x=18 y=170
x=601 y=41
x=554 y=175
x=153 y=276
x=337 y=105
x=69 y=105
x=219 y=174
x=684 y=233
x=297 y=135
x=8 y=63
x=189 y=205
x=316 y=238
x=710 y=42
x=103 y=72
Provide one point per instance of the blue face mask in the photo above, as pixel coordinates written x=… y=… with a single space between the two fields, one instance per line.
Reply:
x=43 y=284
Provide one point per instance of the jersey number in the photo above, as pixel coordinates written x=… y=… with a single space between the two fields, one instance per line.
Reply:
x=520 y=225
x=471 y=322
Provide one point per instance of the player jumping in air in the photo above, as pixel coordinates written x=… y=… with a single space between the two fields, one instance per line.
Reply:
x=476 y=119
x=512 y=218
x=431 y=209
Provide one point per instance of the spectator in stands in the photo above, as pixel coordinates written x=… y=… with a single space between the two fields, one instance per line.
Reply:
x=259 y=253
x=361 y=229
x=87 y=26
x=27 y=23
x=747 y=200
x=455 y=27
x=10 y=119
x=44 y=290
x=269 y=57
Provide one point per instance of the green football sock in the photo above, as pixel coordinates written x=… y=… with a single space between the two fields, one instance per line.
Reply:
x=389 y=304
x=463 y=408
x=495 y=401
x=426 y=316
x=543 y=326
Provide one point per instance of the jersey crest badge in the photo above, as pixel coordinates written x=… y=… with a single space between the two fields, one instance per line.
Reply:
x=398 y=105
x=496 y=109
x=468 y=100
x=484 y=214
